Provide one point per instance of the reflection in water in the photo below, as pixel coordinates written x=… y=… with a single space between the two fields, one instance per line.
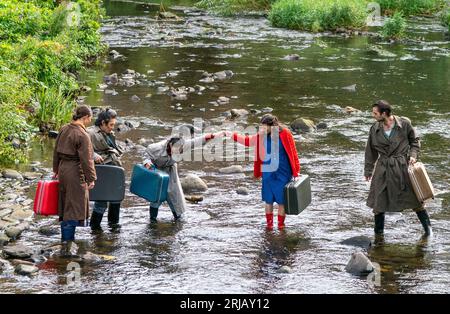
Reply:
x=277 y=255
x=400 y=264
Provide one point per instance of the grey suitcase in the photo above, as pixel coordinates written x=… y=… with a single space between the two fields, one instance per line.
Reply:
x=297 y=195
x=110 y=184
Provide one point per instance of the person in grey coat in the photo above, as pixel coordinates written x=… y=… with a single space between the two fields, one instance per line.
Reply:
x=392 y=145
x=107 y=152
x=164 y=156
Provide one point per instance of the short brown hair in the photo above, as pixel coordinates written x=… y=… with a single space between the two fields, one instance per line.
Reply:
x=383 y=106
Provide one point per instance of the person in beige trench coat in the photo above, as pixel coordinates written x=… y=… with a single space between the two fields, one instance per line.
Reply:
x=392 y=145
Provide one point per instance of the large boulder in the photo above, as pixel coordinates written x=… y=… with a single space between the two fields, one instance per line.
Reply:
x=303 y=125
x=359 y=264
x=192 y=183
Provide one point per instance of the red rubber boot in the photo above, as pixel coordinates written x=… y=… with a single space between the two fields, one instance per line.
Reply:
x=281 y=222
x=269 y=219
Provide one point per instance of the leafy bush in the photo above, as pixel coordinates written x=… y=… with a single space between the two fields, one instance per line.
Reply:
x=42 y=43
x=394 y=27
x=13 y=127
x=21 y=19
x=317 y=16
x=410 y=7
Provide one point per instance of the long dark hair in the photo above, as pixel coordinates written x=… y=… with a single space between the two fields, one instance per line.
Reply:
x=174 y=140
x=105 y=116
x=271 y=120
x=80 y=112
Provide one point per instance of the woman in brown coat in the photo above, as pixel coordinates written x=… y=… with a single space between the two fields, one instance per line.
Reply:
x=73 y=165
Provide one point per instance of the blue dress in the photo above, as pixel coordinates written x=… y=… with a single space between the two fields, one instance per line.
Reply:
x=276 y=171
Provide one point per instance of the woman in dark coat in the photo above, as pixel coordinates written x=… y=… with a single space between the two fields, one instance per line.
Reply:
x=107 y=152
x=73 y=165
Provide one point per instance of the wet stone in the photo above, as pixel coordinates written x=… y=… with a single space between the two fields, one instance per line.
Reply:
x=359 y=264
x=232 y=169
x=18 y=251
x=193 y=182
x=26 y=270
x=11 y=174
x=358 y=241
x=242 y=191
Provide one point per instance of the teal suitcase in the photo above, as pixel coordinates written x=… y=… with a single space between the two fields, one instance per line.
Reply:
x=150 y=184
x=297 y=195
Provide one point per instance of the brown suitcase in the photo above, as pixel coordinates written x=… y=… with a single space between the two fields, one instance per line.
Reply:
x=420 y=182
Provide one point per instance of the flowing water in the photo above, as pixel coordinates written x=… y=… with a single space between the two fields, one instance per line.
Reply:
x=222 y=245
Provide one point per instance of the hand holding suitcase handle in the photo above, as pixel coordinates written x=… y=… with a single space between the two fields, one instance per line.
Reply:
x=149 y=165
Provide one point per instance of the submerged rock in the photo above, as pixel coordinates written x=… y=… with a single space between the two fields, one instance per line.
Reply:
x=359 y=241
x=193 y=198
x=236 y=113
x=135 y=98
x=4 y=239
x=49 y=230
x=32 y=175
x=242 y=191
x=293 y=57
x=359 y=264
x=322 y=126
x=285 y=270
x=350 y=88
x=349 y=109
x=232 y=169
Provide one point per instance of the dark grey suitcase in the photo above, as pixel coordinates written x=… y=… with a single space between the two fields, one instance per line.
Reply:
x=297 y=195
x=110 y=184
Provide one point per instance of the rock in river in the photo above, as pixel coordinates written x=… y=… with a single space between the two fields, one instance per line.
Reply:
x=193 y=182
x=11 y=174
x=359 y=264
x=18 y=251
x=303 y=125
x=26 y=270
x=232 y=169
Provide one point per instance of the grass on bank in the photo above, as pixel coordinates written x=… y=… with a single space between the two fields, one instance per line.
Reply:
x=42 y=47
x=321 y=15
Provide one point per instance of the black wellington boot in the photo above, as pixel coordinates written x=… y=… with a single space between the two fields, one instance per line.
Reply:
x=379 y=224
x=153 y=214
x=425 y=221
x=95 y=222
x=114 y=215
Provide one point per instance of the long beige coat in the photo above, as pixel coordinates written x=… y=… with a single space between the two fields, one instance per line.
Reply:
x=386 y=160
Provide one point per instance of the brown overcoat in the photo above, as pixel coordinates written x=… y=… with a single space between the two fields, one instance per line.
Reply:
x=73 y=162
x=386 y=160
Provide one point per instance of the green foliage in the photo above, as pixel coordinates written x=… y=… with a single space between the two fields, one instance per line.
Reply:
x=42 y=42
x=395 y=26
x=445 y=17
x=410 y=7
x=13 y=127
x=19 y=19
x=53 y=108
x=317 y=16
x=231 y=7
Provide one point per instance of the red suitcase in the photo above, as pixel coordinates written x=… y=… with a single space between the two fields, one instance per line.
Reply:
x=46 y=199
